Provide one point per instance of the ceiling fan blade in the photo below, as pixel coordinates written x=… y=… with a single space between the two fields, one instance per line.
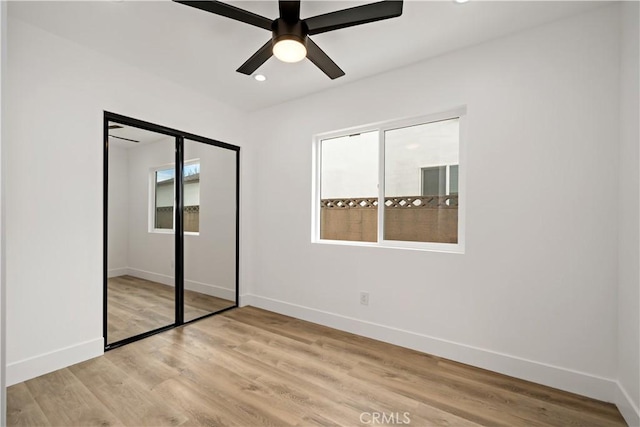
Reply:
x=257 y=59
x=289 y=10
x=226 y=10
x=354 y=16
x=124 y=139
x=322 y=61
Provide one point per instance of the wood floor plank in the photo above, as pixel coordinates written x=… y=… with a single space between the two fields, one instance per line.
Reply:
x=444 y=397
x=603 y=412
x=360 y=396
x=278 y=325
x=199 y=341
x=329 y=405
x=288 y=389
x=139 y=362
x=250 y=367
x=65 y=401
x=22 y=409
x=200 y=408
x=249 y=400
x=124 y=396
x=438 y=370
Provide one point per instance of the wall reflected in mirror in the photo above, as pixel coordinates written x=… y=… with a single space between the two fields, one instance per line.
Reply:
x=209 y=218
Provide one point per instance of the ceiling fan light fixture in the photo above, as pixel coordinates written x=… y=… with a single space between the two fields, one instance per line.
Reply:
x=289 y=40
x=289 y=50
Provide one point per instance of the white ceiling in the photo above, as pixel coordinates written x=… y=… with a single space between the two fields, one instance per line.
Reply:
x=201 y=51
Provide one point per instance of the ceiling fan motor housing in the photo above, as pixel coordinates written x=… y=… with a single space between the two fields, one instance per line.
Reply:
x=283 y=30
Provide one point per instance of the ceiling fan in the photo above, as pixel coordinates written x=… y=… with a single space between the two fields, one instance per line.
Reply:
x=120 y=137
x=290 y=40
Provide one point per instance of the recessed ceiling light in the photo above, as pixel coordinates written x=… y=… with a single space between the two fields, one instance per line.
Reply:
x=260 y=77
x=460 y=1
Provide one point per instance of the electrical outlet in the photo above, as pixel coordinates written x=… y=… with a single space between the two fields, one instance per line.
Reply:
x=173 y=264
x=364 y=298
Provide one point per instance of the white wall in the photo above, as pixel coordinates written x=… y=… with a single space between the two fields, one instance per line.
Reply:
x=629 y=232
x=3 y=105
x=148 y=252
x=118 y=226
x=209 y=257
x=58 y=91
x=535 y=293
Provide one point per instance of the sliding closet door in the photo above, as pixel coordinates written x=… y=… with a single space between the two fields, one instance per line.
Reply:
x=140 y=291
x=170 y=228
x=210 y=227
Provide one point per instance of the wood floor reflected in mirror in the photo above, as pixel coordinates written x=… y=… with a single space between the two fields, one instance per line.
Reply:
x=136 y=306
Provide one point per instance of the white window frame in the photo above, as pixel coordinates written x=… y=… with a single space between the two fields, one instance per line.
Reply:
x=152 y=199
x=380 y=128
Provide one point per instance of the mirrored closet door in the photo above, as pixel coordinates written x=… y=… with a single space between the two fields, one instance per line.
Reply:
x=209 y=215
x=170 y=228
x=140 y=283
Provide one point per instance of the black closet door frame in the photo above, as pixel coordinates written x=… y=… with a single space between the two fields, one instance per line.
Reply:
x=180 y=137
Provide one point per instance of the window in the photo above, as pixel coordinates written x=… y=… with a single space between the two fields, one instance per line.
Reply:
x=439 y=180
x=349 y=188
x=162 y=212
x=191 y=215
x=410 y=167
x=163 y=206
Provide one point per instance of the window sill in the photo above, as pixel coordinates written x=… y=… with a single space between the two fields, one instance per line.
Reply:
x=452 y=248
x=161 y=231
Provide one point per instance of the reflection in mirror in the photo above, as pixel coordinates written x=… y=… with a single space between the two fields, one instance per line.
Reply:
x=209 y=218
x=140 y=254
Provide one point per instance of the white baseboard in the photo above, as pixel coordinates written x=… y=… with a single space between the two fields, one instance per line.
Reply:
x=244 y=300
x=192 y=285
x=115 y=272
x=148 y=275
x=553 y=376
x=32 y=367
x=627 y=408
x=213 y=290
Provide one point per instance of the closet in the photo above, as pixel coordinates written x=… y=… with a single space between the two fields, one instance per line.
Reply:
x=171 y=228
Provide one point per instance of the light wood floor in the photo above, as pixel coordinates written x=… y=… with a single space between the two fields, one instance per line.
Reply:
x=249 y=367
x=135 y=306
